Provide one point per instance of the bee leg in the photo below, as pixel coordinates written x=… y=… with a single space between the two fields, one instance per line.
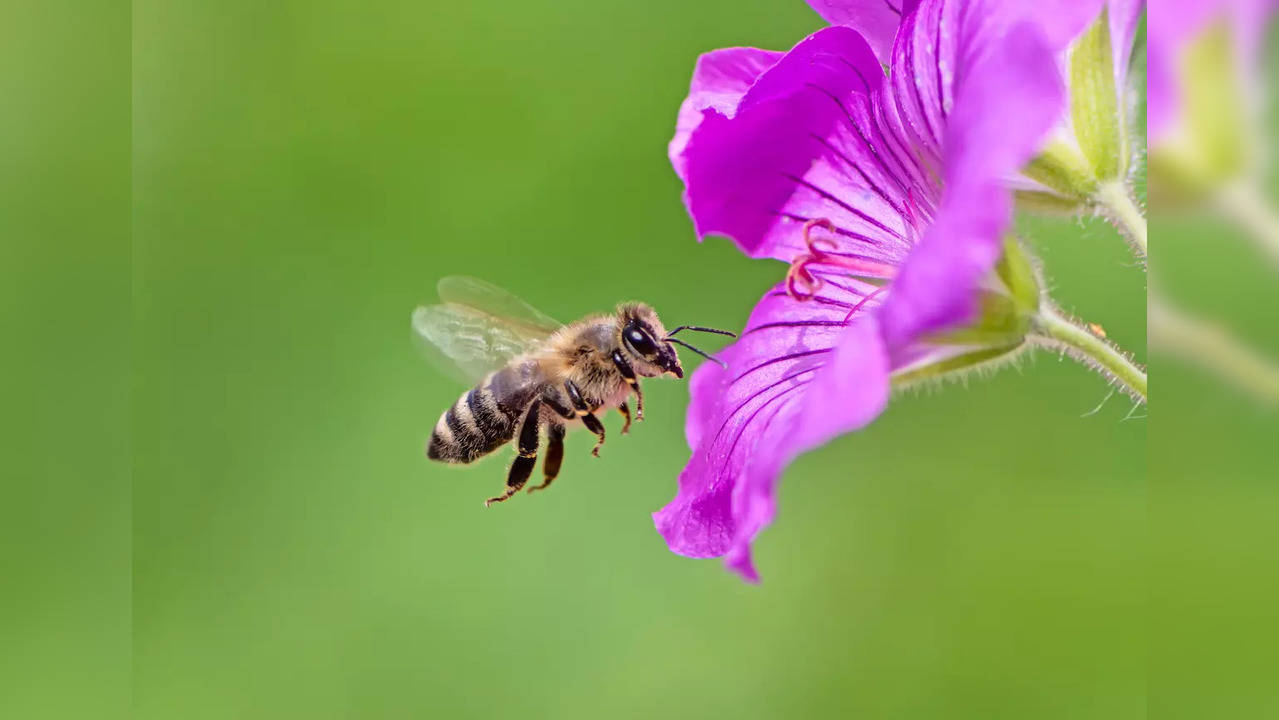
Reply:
x=527 y=459
x=626 y=413
x=551 y=399
x=628 y=374
x=554 y=455
x=583 y=411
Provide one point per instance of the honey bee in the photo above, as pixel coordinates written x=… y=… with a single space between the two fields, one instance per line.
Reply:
x=534 y=372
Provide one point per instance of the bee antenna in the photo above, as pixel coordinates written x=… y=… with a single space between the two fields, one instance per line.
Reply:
x=698 y=328
x=712 y=358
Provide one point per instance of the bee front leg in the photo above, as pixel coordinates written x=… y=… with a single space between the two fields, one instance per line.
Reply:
x=626 y=413
x=583 y=411
x=554 y=455
x=527 y=459
x=628 y=374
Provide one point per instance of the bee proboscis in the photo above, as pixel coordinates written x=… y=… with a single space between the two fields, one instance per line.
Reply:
x=536 y=373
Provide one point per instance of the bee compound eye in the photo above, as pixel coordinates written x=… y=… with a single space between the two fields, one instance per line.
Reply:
x=640 y=341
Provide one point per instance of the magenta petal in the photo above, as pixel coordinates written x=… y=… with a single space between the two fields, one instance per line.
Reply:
x=1004 y=106
x=876 y=20
x=921 y=76
x=705 y=382
x=720 y=79
x=806 y=143
x=944 y=39
x=846 y=394
x=1124 y=18
x=836 y=59
x=1063 y=21
x=1017 y=82
x=798 y=376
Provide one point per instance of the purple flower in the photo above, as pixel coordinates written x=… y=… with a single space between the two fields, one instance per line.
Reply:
x=888 y=198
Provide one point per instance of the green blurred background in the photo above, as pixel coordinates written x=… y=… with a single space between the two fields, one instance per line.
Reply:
x=303 y=173
x=64 y=359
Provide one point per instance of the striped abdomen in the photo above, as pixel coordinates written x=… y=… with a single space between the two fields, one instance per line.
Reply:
x=486 y=417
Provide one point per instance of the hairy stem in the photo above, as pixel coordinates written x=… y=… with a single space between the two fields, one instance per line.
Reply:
x=1052 y=329
x=1118 y=206
x=1244 y=205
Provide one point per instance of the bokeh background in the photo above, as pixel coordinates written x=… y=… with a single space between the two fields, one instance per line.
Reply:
x=65 y=501
x=303 y=172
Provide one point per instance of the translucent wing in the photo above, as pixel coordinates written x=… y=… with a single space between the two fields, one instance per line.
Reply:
x=477 y=327
x=493 y=300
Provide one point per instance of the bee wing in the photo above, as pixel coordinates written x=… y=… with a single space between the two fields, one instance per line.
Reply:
x=477 y=328
x=493 y=300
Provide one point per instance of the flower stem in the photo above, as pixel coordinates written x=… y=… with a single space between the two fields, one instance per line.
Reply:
x=1052 y=329
x=1243 y=204
x=1118 y=206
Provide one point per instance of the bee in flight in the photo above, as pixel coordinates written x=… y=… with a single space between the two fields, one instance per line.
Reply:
x=534 y=372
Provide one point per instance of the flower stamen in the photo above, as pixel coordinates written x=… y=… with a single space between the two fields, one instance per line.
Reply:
x=861 y=303
x=802 y=284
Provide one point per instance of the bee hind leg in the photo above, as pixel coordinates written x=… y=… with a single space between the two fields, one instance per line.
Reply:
x=527 y=458
x=554 y=455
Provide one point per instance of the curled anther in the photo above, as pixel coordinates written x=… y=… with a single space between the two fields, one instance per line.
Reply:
x=799 y=274
x=803 y=284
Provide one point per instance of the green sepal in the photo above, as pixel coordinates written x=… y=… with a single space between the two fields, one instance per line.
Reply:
x=1017 y=271
x=1062 y=169
x=1007 y=307
x=1094 y=101
x=956 y=364
x=1046 y=203
x=997 y=323
x=1004 y=313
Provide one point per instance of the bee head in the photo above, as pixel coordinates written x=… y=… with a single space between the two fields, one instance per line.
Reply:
x=644 y=338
